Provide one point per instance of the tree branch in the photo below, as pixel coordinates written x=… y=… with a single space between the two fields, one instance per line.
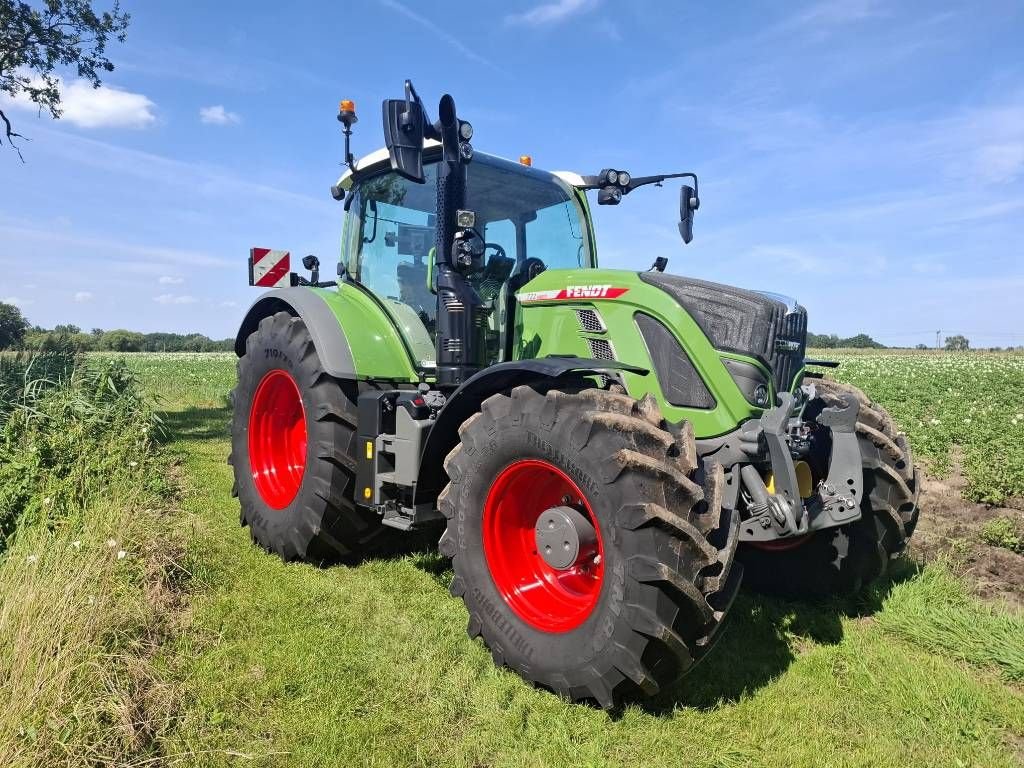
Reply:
x=12 y=135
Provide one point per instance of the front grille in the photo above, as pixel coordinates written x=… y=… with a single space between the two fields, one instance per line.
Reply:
x=601 y=349
x=788 y=342
x=590 y=321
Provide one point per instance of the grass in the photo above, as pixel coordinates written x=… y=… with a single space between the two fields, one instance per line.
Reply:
x=277 y=665
x=370 y=665
x=86 y=572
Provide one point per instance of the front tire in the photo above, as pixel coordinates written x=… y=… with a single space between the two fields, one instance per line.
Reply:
x=644 y=599
x=292 y=447
x=844 y=559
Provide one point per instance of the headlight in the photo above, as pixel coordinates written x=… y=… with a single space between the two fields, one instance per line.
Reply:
x=612 y=176
x=465 y=131
x=624 y=178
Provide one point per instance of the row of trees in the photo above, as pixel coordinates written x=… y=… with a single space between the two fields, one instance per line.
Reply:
x=17 y=333
x=831 y=341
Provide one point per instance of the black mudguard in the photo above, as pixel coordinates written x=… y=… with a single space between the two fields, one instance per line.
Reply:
x=467 y=399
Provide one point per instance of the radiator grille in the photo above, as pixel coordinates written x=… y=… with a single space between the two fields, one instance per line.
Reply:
x=590 y=321
x=601 y=349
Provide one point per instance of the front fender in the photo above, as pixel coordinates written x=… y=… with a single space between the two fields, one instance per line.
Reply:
x=467 y=399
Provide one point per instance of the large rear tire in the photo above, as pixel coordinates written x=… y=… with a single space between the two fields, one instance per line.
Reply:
x=292 y=447
x=643 y=601
x=843 y=560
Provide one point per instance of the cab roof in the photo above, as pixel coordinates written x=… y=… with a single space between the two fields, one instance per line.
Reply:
x=381 y=158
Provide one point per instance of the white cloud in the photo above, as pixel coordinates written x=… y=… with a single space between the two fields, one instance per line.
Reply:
x=551 y=13
x=168 y=280
x=217 y=115
x=170 y=298
x=439 y=32
x=83 y=296
x=103 y=107
x=1000 y=163
x=833 y=13
x=17 y=301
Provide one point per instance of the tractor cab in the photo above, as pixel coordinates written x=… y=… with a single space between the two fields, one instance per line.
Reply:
x=526 y=220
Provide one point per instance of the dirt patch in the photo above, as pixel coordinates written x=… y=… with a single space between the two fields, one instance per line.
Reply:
x=950 y=526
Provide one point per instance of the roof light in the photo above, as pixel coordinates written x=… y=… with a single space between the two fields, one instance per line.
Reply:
x=525 y=160
x=347 y=105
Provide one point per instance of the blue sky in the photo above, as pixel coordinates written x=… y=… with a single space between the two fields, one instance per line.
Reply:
x=865 y=157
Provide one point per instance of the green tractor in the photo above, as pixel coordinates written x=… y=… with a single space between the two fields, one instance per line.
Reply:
x=608 y=452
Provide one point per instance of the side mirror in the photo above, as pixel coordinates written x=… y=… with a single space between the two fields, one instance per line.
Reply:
x=404 y=124
x=688 y=204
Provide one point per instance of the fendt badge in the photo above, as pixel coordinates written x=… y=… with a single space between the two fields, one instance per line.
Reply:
x=572 y=292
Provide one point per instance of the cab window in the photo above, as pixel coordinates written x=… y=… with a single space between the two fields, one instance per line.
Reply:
x=528 y=219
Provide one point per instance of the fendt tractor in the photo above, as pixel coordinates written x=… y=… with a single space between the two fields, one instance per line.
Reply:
x=608 y=452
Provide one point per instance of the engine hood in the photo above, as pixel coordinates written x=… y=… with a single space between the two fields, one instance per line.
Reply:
x=772 y=329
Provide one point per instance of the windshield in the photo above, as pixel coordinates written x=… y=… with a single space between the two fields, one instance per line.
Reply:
x=522 y=214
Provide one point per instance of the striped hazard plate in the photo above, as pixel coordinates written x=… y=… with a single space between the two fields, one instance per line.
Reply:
x=269 y=269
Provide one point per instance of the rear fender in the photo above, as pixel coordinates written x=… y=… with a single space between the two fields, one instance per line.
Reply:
x=328 y=336
x=468 y=398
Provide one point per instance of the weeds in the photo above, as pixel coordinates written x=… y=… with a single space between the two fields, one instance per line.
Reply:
x=86 y=564
x=1003 y=532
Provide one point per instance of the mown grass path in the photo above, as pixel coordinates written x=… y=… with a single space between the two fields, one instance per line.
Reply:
x=292 y=665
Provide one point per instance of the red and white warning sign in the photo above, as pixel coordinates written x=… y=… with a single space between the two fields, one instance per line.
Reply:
x=269 y=269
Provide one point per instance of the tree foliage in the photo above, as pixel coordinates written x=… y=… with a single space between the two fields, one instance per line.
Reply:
x=37 y=39
x=13 y=326
x=117 y=340
x=831 y=341
x=957 y=343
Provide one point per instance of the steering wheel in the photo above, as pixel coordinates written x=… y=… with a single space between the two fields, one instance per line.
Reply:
x=500 y=251
x=532 y=267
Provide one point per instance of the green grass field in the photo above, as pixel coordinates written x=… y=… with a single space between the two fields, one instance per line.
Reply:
x=196 y=648
x=370 y=665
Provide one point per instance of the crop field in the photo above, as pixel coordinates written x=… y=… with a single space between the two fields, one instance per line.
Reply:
x=944 y=401
x=266 y=664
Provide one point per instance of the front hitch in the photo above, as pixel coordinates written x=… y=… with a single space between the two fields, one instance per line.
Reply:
x=784 y=514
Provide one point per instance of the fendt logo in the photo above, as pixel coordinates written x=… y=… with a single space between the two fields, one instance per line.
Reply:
x=572 y=292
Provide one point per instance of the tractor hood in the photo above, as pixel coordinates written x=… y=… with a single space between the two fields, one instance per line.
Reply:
x=746 y=322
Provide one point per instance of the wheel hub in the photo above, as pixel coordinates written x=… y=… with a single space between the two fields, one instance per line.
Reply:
x=564 y=537
x=544 y=556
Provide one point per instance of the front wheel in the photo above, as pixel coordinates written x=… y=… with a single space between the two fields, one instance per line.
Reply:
x=593 y=556
x=844 y=559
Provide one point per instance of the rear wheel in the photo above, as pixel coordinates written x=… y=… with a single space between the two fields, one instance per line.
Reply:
x=593 y=556
x=292 y=447
x=844 y=559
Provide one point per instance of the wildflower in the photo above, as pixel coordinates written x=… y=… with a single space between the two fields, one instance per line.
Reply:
x=133 y=463
x=121 y=554
x=31 y=559
x=76 y=544
x=935 y=421
x=111 y=543
x=47 y=501
x=91 y=600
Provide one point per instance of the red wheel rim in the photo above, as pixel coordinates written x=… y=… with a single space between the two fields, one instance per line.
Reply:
x=547 y=599
x=277 y=439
